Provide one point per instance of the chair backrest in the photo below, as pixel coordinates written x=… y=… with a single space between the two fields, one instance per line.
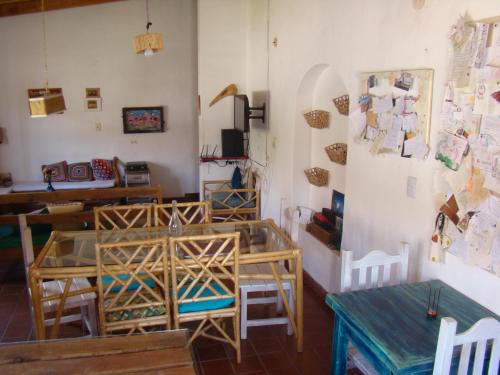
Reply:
x=132 y=276
x=123 y=217
x=189 y=213
x=204 y=268
x=374 y=269
x=484 y=330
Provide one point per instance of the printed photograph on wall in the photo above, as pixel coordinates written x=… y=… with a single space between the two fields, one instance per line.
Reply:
x=143 y=120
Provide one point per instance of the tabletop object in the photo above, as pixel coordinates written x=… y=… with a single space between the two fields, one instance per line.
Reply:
x=155 y=353
x=390 y=327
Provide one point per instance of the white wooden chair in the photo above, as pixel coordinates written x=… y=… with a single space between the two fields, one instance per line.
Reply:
x=249 y=286
x=373 y=271
x=86 y=302
x=484 y=330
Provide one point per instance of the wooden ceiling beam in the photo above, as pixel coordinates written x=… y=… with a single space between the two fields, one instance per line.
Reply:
x=18 y=7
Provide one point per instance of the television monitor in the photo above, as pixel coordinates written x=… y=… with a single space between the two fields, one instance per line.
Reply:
x=241 y=113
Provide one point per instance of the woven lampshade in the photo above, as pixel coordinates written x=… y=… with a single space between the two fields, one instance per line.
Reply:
x=47 y=104
x=153 y=41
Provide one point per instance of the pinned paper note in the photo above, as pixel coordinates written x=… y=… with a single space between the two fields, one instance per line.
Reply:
x=450 y=150
x=358 y=122
x=394 y=138
x=415 y=147
x=381 y=105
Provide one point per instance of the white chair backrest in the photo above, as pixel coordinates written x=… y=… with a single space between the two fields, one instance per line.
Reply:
x=374 y=268
x=482 y=331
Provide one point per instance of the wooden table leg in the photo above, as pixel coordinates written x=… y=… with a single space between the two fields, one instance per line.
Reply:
x=339 y=350
x=299 y=302
x=36 y=303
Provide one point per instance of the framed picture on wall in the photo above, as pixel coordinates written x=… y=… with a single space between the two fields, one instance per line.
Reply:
x=143 y=120
x=92 y=104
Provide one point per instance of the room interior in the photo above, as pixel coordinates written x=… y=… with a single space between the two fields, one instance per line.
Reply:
x=300 y=54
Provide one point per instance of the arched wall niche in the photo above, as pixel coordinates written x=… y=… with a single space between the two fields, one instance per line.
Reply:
x=319 y=85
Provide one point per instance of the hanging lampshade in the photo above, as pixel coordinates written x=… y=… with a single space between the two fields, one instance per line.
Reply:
x=148 y=43
x=46 y=102
x=46 y=105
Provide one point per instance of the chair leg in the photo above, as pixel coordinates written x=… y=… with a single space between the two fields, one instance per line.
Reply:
x=237 y=340
x=92 y=317
x=289 y=294
x=244 y=312
x=279 y=302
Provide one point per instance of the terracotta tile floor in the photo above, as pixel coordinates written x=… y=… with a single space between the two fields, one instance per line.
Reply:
x=268 y=350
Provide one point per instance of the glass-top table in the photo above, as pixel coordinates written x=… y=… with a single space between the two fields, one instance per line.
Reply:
x=77 y=248
x=69 y=255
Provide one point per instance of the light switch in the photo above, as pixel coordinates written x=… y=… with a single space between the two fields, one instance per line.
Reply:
x=98 y=126
x=411 y=187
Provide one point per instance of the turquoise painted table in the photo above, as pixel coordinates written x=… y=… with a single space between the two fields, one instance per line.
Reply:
x=390 y=328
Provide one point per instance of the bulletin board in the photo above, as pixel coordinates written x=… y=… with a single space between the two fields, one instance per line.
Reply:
x=467 y=184
x=397 y=109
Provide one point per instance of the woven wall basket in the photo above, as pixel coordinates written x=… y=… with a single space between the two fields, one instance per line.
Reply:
x=342 y=104
x=337 y=152
x=317 y=176
x=317 y=119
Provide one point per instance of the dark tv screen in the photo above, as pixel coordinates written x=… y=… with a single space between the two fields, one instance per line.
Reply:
x=241 y=113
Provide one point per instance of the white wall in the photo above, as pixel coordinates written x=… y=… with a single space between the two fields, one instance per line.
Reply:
x=92 y=47
x=352 y=37
x=222 y=60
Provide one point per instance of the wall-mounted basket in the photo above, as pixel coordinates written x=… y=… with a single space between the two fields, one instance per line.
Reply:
x=317 y=176
x=342 y=104
x=337 y=152
x=317 y=118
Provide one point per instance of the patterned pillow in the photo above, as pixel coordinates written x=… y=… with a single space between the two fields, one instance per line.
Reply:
x=80 y=172
x=103 y=169
x=59 y=171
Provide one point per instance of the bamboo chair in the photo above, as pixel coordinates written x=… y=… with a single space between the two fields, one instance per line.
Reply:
x=479 y=334
x=123 y=217
x=85 y=302
x=373 y=271
x=228 y=204
x=132 y=280
x=189 y=213
x=205 y=284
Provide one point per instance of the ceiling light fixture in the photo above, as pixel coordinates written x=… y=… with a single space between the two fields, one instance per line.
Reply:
x=48 y=103
x=149 y=43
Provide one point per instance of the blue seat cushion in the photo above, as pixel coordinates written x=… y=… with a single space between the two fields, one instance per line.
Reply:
x=233 y=201
x=134 y=285
x=204 y=305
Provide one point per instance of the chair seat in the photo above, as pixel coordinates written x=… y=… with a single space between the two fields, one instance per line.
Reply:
x=106 y=280
x=262 y=285
x=57 y=287
x=204 y=305
x=133 y=313
x=221 y=201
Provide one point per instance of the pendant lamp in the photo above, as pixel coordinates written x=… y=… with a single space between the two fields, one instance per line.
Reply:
x=48 y=103
x=149 y=43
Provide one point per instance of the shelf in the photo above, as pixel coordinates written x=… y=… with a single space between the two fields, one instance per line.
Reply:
x=206 y=159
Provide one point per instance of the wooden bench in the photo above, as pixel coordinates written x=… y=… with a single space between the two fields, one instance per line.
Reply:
x=154 y=353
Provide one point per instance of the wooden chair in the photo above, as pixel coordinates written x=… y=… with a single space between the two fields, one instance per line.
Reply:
x=205 y=272
x=373 y=271
x=228 y=204
x=132 y=280
x=484 y=330
x=189 y=213
x=123 y=217
x=251 y=286
x=85 y=302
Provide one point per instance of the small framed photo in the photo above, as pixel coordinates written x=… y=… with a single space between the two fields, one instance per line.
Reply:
x=93 y=92
x=93 y=104
x=143 y=120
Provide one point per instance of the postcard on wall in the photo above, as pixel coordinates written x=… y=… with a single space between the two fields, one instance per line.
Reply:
x=451 y=149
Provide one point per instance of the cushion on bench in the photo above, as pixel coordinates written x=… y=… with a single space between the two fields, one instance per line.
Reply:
x=233 y=201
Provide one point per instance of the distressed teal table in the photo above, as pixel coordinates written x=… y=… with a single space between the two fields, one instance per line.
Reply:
x=390 y=328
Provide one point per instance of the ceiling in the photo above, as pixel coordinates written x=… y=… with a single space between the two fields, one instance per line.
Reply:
x=17 y=7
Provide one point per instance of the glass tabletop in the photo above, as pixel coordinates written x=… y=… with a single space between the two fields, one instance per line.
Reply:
x=77 y=248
